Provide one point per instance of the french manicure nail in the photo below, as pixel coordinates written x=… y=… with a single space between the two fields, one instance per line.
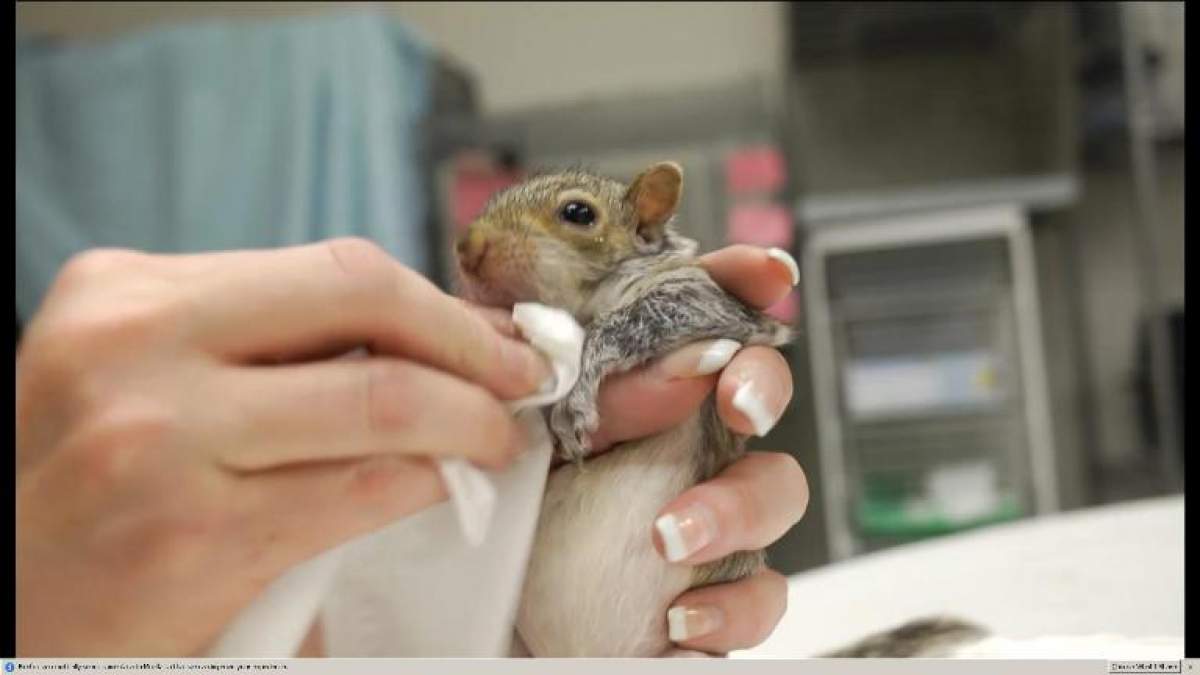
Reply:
x=717 y=356
x=787 y=259
x=749 y=401
x=701 y=358
x=687 y=531
x=686 y=623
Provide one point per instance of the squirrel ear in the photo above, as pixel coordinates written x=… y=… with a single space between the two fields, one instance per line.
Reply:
x=654 y=196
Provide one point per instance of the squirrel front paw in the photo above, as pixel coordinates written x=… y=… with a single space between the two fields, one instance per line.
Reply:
x=572 y=421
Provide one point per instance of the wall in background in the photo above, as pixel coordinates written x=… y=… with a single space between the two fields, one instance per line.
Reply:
x=1112 y=294
x=523 y=54
x=1162 y=24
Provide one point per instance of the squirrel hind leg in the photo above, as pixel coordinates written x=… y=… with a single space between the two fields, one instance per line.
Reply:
x=772 y=332
x=572 y=420
x=720 y=447
x=927 y=637
x=735 y=566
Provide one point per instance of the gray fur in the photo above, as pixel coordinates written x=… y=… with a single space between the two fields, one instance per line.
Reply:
x=662 y=303
x=929 y=637
x=683 y=307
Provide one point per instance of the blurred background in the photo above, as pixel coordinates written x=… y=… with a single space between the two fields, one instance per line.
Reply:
x=986 y=198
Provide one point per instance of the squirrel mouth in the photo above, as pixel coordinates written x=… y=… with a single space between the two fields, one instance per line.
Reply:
x=484 y=286
x=482 y=294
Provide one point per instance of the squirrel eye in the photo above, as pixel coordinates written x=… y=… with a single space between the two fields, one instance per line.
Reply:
x=578 y=213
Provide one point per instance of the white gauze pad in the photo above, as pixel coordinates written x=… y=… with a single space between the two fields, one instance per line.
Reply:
x=441 y=582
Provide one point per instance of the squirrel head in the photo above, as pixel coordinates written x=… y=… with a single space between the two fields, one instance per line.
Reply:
x=556 y=237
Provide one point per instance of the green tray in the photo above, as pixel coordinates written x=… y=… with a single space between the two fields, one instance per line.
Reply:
x=891 y=519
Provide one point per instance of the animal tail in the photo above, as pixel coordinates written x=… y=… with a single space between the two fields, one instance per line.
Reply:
x=927 y=637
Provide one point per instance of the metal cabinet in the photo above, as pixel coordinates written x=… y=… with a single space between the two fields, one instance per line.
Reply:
x=929 y=383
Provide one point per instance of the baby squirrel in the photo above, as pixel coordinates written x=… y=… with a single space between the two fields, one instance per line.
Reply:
x=607 y=253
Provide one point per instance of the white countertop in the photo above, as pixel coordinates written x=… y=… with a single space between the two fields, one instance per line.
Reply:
x=1110 y=570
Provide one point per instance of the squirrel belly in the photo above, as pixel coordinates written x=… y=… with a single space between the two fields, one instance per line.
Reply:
x=596 y=586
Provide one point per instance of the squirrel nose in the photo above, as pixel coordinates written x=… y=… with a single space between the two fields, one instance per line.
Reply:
x=471 y=249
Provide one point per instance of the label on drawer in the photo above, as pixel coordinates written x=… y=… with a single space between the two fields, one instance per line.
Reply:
x=927 y=383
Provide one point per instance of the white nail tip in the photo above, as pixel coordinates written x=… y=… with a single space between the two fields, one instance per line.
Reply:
x=717 y=356
x=787 y=259
x=747 y=401
x=677 y=624
x=668 y=529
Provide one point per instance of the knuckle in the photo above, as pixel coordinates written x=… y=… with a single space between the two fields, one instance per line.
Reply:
x=89 y=309
x=363 y=262
x=350 y=251
x=473 y=344
x=497 y=432
x=76 y=335
x=129 y=321
x=388 y=399
x=118 y=441
x=87 y=266
x=372 y=478
x=175 y=543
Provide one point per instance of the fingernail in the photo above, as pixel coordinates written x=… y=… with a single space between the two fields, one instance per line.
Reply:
x=749 y=400
x=686 y=623
x=687 y=531
x=787 y=259
x=534 y=370
x=701 y=358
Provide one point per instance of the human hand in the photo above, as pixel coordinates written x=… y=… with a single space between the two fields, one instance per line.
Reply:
x=756 y=499
x=754 y=502
x=183 y=436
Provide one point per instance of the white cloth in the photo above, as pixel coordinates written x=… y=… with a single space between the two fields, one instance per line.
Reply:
x=443 y=582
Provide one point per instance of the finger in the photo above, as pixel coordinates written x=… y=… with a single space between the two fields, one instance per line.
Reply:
x=248 y=303
x=499 y=319
x=754 y=390
x=760 y=277
x=294 y=513
x=726 y=617
x=261 y=417
x=746 y=507
x=660 y=396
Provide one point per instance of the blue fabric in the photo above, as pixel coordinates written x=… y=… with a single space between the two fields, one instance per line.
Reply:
x=219 y=135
